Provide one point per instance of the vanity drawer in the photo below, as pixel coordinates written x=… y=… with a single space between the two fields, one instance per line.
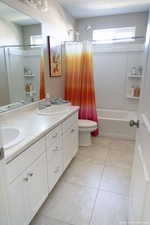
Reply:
x=70 y=122
x=54 y=136
x=24 y=160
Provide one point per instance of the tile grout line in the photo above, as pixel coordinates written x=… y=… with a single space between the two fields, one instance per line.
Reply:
x=105 y=166
x=115 y=193
x=99 y=187
x=66 y=223
x=93 y=208
x=98 y=191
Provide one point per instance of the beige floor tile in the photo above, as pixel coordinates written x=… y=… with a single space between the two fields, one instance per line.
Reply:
x=110 y=209
x=45 y=220
x=70 y=203
x=116 y=179
x=93 y=154
x=120 y=158
x=103 y=142
x=84 y=173
x=122 y=145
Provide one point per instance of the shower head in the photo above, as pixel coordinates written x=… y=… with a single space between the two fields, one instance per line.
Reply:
x=88 y=28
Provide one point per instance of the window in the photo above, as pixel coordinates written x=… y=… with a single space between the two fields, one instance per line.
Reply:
x=36 y=40
x=114 y=35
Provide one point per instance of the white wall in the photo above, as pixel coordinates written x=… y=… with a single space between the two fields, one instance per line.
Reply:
x=134 y=19
x=29 y=30
x=111 y=71
x=15 y=75
x=4 y=90
x=10 y=34
x=56 y=20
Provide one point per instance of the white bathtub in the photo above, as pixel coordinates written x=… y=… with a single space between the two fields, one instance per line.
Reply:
x=115 y=123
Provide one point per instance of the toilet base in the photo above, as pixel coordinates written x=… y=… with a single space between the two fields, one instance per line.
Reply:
x=85 y=138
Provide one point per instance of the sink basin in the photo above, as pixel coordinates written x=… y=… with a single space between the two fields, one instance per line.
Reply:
x=10 y=136
x=54 y=110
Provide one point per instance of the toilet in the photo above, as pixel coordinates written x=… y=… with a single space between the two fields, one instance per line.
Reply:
x=85 y=129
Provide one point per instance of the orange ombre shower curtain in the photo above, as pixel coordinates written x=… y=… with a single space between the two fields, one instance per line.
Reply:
x=42 y=78
x=79 y=84
x=73 y=55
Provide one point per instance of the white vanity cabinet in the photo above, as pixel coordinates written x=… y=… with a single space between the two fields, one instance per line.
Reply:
x=32 y=175
x=28 y=190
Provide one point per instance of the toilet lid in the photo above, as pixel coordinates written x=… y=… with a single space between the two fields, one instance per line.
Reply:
x=86 y=123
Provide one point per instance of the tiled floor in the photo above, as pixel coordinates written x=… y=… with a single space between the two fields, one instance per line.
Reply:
x=94 y=189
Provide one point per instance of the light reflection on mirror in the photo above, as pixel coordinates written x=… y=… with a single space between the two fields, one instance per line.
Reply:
x=20 y=55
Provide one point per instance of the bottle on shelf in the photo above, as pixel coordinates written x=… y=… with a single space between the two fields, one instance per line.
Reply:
x=133 y=70
x=27 y=71
x=137 y=91
x=132 y=91
x=140 y=70
x=27 y=87
x=31 y=87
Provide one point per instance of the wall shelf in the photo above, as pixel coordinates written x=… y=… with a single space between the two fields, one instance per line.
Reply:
x=135 y=76
x=133 y=81
x=29 y=75
x=28 y=92
x=133 y=97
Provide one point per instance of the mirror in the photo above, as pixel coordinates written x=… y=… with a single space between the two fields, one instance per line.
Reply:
x=20 y=55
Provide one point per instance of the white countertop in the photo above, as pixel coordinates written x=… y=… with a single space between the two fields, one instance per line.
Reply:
x=33 y=126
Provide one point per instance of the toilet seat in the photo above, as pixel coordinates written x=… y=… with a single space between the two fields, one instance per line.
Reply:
x=87 y=125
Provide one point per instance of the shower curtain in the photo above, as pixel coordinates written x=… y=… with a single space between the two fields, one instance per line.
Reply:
x=79 y=80
x=42 y=78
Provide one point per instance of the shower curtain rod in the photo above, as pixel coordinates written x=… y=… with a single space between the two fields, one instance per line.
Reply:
x=116 y=39
x=9 y=46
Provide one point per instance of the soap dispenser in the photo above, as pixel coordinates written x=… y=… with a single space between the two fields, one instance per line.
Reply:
x=132 y=91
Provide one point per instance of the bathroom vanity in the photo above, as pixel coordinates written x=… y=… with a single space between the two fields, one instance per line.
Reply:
x=36 y=163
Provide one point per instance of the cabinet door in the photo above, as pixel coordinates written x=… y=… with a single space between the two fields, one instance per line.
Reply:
x=70 y=144
x=67 y=153
x=138 y=188
x=74 y=136
x=3 y=194
x=37 y=185
x=18 y=201
x=55 y=164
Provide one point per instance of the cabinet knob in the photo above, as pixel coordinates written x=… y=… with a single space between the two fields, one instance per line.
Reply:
x=54 y=136
x=30 y=174
x=57 y=170
x=26 y=179
x=55 y=149
x=73 y=130
x=1 y=153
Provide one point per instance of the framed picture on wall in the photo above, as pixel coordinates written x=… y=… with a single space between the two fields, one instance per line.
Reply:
x=55 y=57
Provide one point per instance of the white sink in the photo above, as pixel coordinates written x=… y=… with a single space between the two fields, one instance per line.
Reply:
x=10 y=136
x=54 y=110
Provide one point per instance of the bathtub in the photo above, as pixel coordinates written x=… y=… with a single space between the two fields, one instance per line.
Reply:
x=115 y=123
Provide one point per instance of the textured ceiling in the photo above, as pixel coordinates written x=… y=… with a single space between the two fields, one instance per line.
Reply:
x=12 y=15
x=91 y=8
